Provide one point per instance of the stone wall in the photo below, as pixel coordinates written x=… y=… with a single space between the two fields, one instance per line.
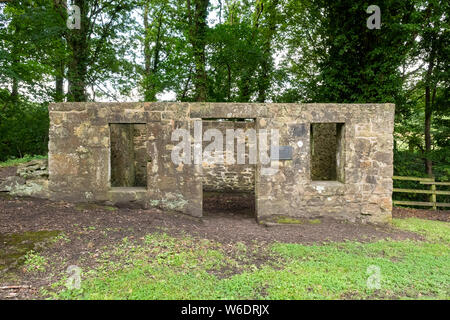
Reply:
x=365 y=189
x=30 y=179
x=79 y=157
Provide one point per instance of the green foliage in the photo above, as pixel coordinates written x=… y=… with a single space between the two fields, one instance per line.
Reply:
x=30 y=47
x=337 y=58
x=410 y=164
x=15 y=161
x=23 y=129
x=362 y=65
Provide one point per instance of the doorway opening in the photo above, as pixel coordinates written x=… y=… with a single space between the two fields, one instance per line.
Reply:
x=229 y=167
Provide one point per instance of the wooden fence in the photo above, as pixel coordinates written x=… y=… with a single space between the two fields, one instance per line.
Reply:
x=432 y=192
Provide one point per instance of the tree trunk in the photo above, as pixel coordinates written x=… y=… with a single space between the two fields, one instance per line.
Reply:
x=15 y=60
x=246 y=87
x=186 y=86
x=15 y=89
x=76 y=75
x=263 y=82
x=429 y=88
x=228 y=82
x=147 y=57
x=267 y=62
x=59 y=82
x=197 y=35
x=77 y=65
x=151 y=70
x=428 y=113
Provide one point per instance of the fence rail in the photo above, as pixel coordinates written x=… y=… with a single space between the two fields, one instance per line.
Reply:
x=432 y=192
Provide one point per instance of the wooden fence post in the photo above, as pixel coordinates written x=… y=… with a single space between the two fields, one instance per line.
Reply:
x=433 y=195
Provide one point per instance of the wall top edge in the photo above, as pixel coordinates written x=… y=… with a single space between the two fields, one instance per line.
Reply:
x=202 y=107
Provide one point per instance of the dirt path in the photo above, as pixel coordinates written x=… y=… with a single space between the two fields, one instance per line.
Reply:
x=19 y=215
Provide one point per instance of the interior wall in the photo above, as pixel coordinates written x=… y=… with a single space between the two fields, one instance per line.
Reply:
x=128 y=155
x=323 y=151
x=220 y=176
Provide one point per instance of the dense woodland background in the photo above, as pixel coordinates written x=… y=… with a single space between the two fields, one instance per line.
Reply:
x=232 y=51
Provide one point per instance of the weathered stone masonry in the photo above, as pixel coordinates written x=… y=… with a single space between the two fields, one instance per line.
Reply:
x=80 y=157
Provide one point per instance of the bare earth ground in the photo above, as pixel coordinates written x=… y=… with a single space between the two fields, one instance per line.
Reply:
x=440 y=215
x=92 y=227
x=18 y=215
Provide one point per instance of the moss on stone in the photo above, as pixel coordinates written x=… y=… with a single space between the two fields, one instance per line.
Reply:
x=16 y=246
x=288 y=220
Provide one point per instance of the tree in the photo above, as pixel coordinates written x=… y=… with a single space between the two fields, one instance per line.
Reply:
x=28 y=49
x=93 y=48
x=433 y=47
x=359 y=64
x=426 y=83
x=152 y=56
x=197 y=12
x=241 y=66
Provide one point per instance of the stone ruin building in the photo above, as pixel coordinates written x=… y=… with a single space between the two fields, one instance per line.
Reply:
x=333 y=160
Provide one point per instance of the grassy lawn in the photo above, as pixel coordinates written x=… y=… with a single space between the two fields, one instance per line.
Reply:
x=159 y=266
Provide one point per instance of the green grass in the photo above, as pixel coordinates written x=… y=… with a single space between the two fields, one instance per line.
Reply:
x=35 y=262
x=164 y=267
x=17 y=161
x=430 y=229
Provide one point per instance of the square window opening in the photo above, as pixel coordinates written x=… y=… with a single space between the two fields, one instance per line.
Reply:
x=327 y=155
